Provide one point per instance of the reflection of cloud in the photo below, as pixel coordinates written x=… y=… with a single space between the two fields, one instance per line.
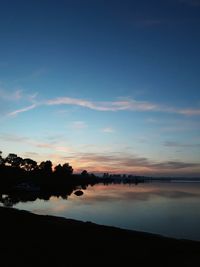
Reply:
x=57 y=209
x=121 y=192
x=101 y=198
x=160 y=193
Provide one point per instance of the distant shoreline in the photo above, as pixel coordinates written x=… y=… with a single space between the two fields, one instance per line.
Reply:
x=57 y=241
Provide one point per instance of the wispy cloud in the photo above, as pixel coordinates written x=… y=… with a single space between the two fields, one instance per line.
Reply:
x=153 y=120
x=122 y=105
x=128 y=163
x=13 y=98
x=108 y=130
x=10 y=95
x=30 y=154
x=13 y=137
x=189 y=112
x=30 y=98
x=78 y=125
x=177 y=144
x=178 y=125
x=126 y=104
x=16 y=112
x=174 y=165
x=55 y=146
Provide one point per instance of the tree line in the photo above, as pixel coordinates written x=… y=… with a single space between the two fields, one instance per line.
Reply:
x=15 y=170
x=30 y=165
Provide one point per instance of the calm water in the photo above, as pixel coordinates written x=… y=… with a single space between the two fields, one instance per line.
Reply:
x=171 y=209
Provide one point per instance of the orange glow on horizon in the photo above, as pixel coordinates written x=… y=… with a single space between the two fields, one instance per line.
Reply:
x=114 y=167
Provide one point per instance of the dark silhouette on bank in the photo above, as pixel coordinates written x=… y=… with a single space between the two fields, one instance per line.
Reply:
x=19 y=174
x=36 y=240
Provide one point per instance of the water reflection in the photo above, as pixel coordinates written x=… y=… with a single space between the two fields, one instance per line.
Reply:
x=17 y=196
x=141 y=192
x=108 y=192
x=172 y=209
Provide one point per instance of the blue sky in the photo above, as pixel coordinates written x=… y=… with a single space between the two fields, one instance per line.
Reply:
x=104 y=85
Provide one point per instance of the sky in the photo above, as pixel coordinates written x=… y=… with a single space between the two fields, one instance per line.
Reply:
x=105 y=85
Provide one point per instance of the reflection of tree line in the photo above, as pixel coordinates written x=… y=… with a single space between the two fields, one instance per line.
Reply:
x=13 y=197
x=26 y=180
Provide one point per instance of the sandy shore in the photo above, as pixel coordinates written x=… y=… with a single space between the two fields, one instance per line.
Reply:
x=34 y=240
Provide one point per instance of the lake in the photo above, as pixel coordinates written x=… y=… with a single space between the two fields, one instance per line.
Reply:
x=171 y=209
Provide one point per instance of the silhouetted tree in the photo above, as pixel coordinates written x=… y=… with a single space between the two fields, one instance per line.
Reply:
x=1 y=159
x=29 y=165
x=85 y=173
x=46 y=167
x=58 y=169
x=13 y=160
x=67 y=169
x=63 y=170
x=106 y=175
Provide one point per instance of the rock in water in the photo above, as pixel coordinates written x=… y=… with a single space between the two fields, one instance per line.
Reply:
x=78 y=193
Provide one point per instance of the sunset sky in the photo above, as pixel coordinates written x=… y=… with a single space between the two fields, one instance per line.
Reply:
x=106 y=85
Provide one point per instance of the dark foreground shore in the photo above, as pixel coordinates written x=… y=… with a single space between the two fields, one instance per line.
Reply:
x=35 y=240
